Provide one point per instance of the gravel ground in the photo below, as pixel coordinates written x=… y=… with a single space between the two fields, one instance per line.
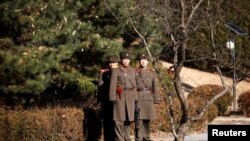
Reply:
x=169 y=137
x=230 y=120
x=234 y=120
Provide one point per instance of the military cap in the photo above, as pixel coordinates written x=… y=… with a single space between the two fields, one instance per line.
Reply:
x=143 y=56
x=125 y=54
x=112 y=59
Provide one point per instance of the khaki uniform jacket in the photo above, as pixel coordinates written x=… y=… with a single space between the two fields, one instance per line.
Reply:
x=148 y=93
x=124 y=106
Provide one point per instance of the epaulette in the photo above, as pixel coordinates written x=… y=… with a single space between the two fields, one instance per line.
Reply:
x=152 y=69
x=137 y=71
x=104 y=70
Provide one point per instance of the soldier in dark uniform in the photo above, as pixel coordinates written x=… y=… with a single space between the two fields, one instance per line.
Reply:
x=148 y=95
x=123 y=93
x=103 y=98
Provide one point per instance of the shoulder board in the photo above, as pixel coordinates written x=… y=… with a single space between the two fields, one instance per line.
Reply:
x=104 y=70
x=137 y=71
x=152 y=69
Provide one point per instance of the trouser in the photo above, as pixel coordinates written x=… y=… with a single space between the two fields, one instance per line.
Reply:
x=108 y=129
x=142 y=130
x=122 y=131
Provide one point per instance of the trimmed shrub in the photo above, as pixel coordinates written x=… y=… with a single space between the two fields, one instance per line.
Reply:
x=161 y=123
x=206 y=92
x=244 y=103
x=195 y=107
x=196 y=101
x=42 y=124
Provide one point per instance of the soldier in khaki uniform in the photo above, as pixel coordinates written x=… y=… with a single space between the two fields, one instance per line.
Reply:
x=103 y=98
x=148 y=95
x=123 y=93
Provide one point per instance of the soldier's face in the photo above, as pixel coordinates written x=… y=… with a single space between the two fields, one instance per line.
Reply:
x=143 y=63
x=125 y=62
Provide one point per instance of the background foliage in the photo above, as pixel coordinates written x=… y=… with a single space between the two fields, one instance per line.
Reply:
x=52 y=50
x=55 y=49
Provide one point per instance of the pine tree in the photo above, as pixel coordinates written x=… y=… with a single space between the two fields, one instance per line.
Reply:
x=48 y=49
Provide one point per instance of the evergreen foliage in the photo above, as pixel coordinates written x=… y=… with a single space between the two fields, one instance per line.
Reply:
x=56 y=47
x=50 y=49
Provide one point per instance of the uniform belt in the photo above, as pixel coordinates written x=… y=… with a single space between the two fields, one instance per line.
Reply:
x=145 y=89
x=128 y=89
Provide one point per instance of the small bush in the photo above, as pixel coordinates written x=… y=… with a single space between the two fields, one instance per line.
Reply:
x=244 y=103
x=161 y=123
x=195 y=107
x=42 y=124
x=206 y=92
x=196 y=101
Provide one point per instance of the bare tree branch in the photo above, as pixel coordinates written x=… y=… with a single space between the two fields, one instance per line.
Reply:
x=193 y=11
x=170 y=101
x=211 y=102
x=213 y=44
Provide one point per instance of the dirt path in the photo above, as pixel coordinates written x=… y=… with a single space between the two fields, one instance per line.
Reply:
x=232 y=120
x=195 y=78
